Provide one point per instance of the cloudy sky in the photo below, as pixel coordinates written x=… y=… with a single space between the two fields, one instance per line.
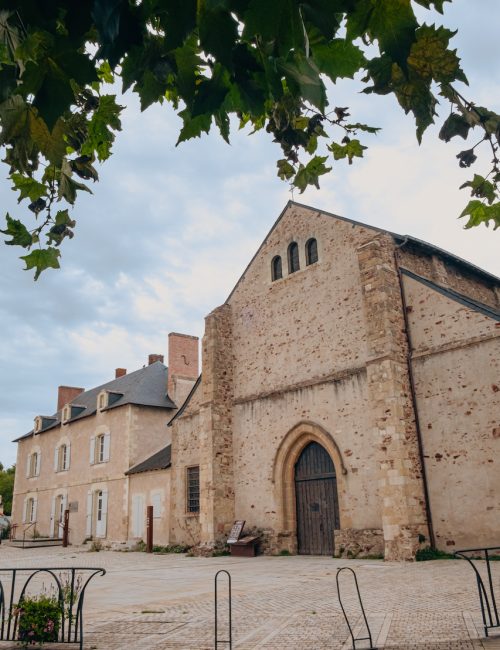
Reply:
x=168 y=230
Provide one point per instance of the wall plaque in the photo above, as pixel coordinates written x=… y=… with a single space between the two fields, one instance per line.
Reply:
x=73 y=506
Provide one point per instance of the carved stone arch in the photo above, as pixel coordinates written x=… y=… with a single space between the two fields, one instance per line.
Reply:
x=287 y=455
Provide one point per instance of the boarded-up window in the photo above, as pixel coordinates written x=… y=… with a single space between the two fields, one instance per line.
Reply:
x=193 y=489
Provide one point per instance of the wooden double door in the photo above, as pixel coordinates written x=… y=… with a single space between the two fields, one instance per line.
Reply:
x=316 y=501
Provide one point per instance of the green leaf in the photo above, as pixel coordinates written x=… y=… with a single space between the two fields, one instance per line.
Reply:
x=438 y=4
x=310 y=173
x=479 y=213
x=414 y=95
x=285 y=170
x=18 y=231
x=481 y=187
x=193 y=126
x=100 y=134
x=350 y=149
x=430 y=57
x=339 y=59
x=28 y=187
x=305 y=73
x=454 y=125
x=218 y=34
x=393 y=24
x=67 y=186
x=278 y=21
x=41 y=259
x=105 y=73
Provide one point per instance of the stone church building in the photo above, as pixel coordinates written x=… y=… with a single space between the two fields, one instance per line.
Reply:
x=349 y=400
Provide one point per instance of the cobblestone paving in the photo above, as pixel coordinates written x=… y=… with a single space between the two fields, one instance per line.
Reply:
x=282 y=603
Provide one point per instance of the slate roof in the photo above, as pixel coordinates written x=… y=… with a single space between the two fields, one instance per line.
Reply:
x=144 y=387
x=160 y=460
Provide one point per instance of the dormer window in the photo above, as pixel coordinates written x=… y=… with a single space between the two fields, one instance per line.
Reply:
x=66 y=413
x=38 y=424
x=102 y=400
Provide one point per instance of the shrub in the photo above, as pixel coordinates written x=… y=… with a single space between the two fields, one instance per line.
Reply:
x=428 y=553
x=38 y=620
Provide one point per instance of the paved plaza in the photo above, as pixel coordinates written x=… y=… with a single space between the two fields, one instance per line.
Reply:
x=155 y=602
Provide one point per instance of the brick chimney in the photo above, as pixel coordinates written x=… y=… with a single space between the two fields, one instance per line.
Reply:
x=153 y=358
x=67 y=394
x=120 y=372
x=183 y=368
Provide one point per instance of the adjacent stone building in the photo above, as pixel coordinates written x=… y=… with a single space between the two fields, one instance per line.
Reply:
x=88 y=456
x=349 y=402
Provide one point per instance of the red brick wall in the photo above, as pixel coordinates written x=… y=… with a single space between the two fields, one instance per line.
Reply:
x=182 y=358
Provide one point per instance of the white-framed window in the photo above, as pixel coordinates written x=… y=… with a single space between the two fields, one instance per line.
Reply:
x=62 y=455
x=30 y=508
x=33 y=464
x=37 y=427
x=99 y=448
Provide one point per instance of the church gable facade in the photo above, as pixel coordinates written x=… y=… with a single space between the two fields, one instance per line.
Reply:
x=322 y=416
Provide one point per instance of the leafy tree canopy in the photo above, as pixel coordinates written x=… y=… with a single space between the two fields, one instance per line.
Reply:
x=264 y=62
x=7 y=487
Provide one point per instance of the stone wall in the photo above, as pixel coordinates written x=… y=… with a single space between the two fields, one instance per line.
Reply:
x=456 y=362
x=395 y=432
x=355 y=543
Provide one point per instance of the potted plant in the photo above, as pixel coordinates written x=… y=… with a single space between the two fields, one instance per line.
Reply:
x=38 y=620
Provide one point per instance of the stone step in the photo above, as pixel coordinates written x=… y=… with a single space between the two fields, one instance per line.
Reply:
x=38 y=542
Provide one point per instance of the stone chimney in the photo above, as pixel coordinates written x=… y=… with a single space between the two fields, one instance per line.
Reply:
x=120 y=372
x=153 y=358
x=183 y=368
x=67 y=394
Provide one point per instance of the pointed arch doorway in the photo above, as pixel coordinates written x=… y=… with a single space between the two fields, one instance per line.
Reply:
x=316 y=501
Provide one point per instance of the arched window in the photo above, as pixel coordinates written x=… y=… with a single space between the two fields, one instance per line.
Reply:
x=311 y=251
x=276 y=270
x=33 y=464
x=293 y=258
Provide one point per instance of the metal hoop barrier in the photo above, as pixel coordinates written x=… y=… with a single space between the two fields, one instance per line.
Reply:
x=228 y=641
x=68 y=591
x=487 y=599
x=354 y=639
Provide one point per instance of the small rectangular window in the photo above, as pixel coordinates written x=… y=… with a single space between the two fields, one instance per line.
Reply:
x=193 y=489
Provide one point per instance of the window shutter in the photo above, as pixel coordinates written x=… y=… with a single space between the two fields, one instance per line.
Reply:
x=92 y=450
x=28 y=465
x=38 y=463
x=25 y=505
x=53 y=532
x=68 y=452
x=35 y=507
x=107 y=440
x=104 y=512
x=56 y=459
x=88 y=528
x=156 y=503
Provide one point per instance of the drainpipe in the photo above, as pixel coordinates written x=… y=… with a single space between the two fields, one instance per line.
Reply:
x=420 y=443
